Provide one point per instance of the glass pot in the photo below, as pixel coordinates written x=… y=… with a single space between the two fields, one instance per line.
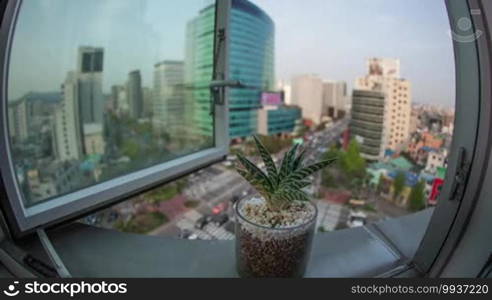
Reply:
x=263 y=251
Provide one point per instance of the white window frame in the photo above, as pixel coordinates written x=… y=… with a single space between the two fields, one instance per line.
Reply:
x=70 y=206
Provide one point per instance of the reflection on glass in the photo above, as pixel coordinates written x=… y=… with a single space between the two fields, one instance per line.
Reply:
x=98 y=95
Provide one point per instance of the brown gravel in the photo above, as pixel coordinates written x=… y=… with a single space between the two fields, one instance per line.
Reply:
x=280 y=242
x=274 y=257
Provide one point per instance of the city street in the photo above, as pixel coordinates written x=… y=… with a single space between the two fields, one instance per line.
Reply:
x=330 y=215
x=216 y=185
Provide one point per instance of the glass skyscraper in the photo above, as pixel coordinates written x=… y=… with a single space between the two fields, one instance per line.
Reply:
x=251 y=61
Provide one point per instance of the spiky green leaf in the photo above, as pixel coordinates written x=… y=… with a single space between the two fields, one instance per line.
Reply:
x=304 y=172
x=298 y=161
x=290 y=195
x=287 y=161
x=300 y=184
x=255 y=172
x=267 y=159
x=259 y=184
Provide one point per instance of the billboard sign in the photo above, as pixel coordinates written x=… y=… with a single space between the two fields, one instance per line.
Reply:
x=386 y=67
x=271 y=98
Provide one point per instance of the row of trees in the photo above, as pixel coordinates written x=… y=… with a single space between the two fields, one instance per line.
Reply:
x=350 y=173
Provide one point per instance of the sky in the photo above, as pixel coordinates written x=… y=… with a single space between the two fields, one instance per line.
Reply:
x=332 y=38
x=135 y=34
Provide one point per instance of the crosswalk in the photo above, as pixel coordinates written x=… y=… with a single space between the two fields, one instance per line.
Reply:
x=208 y=232
x=329 y=215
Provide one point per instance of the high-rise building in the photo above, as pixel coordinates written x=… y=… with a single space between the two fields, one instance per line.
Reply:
x=67 y=137
x=82 y=104
x=335 y=99
x=147 y=102
x=93 y=139
x=367 y=122
x=119 y=97
x=286 y=90
x=169 y=105
x=307 y=93
x=90 y=75
x=135 y=94
x=18 y=120
x=278 y=120
x=251 y=60
x=29 y=113
x=384 y=75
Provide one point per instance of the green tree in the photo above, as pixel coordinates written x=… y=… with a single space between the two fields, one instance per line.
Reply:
x=327 y=178
x=352 y=162
x=380 y=184
x=398 y=184
x=417 y=197
x=332 y=152
x=131 y=149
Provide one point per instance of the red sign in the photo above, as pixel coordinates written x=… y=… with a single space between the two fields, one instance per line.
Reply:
x=436 y=190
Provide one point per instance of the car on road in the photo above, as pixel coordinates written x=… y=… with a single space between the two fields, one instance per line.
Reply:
x=202 y=222
x=219 y=208
x=220 y=220
x=185 y=233
x=193 y=236
x=356 y=219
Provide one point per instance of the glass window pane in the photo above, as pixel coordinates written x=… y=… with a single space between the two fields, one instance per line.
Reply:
x=100 y=89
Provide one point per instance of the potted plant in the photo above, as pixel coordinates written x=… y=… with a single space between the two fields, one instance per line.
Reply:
x=274 y=230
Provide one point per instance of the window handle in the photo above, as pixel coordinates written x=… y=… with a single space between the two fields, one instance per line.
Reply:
x=458 y=187
x=217 y=91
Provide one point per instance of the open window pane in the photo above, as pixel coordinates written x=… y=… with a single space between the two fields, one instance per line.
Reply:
x=102 y=93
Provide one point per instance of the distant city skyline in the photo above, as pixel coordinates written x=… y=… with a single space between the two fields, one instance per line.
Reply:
x=339 y=36
x=330 y=38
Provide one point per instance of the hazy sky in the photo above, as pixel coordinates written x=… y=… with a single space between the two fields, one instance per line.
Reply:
x=135 y=34
x=332 y=38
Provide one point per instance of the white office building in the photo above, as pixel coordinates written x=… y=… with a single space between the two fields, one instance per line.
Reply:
x=168 y=98
x=307 y=93
x=67 y=140
x=335 y=99
x=384 y=75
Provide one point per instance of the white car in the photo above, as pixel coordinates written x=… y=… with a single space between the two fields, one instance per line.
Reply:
x=356 y=219
x=193 y=236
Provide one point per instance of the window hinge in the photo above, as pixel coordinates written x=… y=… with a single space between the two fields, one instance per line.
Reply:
x=458 y=186
x=23 y=264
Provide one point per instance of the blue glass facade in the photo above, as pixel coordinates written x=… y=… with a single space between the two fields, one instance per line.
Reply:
x=251 y=61
x=283 y=119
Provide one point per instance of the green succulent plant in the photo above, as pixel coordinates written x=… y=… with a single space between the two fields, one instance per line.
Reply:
x=281 y=185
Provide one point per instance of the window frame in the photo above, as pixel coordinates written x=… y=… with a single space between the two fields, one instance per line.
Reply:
x=472 y=130
x=24 y=220
x=472 y=127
